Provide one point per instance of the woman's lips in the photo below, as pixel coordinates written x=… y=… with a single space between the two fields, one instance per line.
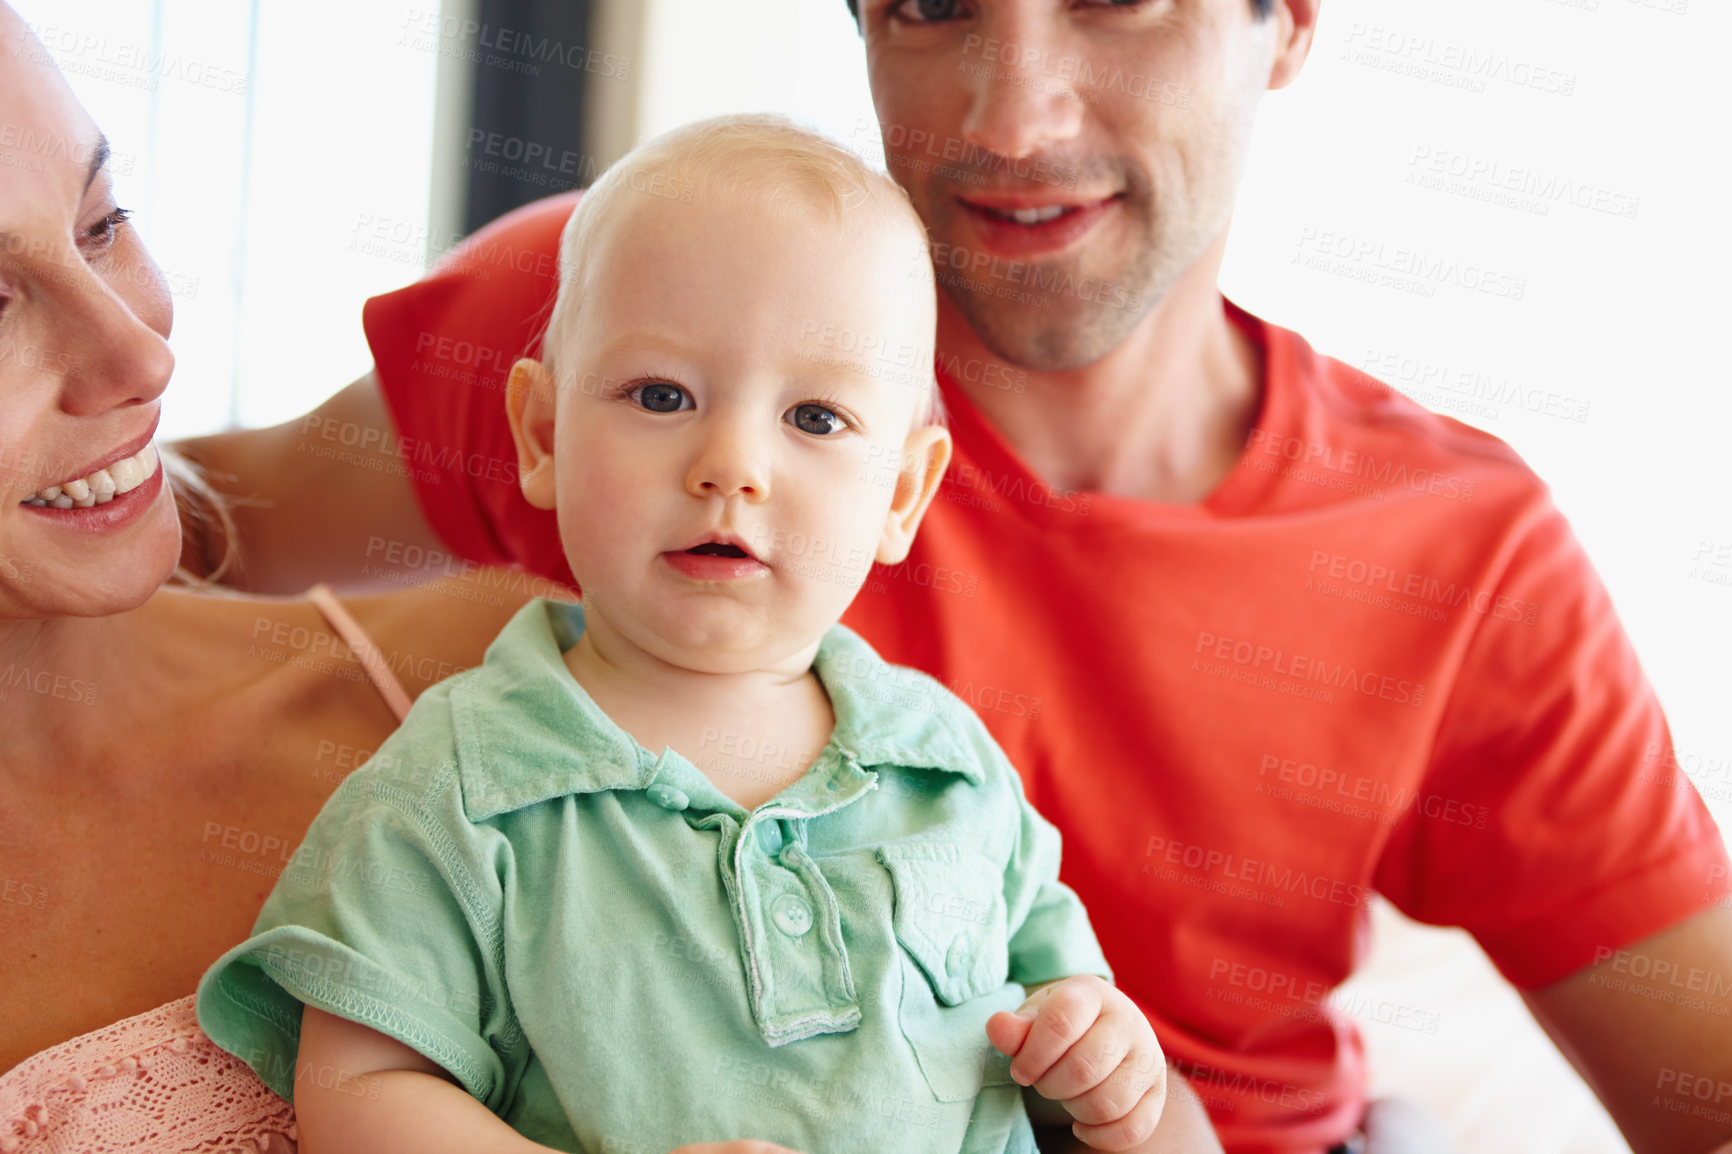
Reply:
x=1011 y=238
x=710 y=567
x=123 y=510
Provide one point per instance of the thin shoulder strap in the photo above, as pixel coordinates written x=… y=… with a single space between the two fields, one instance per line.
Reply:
x=365 y=650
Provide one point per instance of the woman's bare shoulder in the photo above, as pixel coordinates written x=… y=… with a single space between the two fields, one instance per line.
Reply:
x=430 y=632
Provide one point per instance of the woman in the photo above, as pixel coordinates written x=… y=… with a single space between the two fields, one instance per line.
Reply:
x=163 y=749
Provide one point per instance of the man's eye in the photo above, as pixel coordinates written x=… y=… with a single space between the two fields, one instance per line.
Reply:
x=925 y=11
x=816 y=419
x=663 y=398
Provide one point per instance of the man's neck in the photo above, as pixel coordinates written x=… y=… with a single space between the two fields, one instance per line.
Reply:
x=1162 y=417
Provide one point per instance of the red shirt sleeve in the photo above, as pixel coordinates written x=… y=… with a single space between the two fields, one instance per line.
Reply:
x=1559 y=829
x=442 y=349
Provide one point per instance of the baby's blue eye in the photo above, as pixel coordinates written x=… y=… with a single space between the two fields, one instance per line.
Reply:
x=662 y=397
x=816 y=419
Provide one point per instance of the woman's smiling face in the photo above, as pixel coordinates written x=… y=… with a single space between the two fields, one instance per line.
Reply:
x=87 y=525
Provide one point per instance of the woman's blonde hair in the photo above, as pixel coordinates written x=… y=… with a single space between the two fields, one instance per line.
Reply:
x=205 y=521
x=769 y=159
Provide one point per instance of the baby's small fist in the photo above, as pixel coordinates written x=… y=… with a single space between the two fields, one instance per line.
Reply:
x=1081 y=1042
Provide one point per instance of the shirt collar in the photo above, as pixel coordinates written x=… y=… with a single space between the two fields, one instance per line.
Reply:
x=526 y=731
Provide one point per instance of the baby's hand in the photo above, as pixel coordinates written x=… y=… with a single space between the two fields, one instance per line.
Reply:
x=1083 y=1043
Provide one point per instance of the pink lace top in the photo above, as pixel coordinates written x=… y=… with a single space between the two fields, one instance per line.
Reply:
x=151 y=1083
x=154 y=1083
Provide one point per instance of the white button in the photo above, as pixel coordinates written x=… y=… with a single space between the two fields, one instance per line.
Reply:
x=792 y=915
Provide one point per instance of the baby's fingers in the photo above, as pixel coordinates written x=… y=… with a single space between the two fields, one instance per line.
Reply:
x=1131 y=1130
x=1007 y=1031
x=1095 y=1098
x=1065 y=1013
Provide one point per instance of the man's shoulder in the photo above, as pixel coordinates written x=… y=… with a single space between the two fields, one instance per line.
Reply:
x=1341 y=418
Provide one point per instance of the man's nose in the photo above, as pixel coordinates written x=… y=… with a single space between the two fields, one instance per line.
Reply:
x=732 y=461
x=1023 y=99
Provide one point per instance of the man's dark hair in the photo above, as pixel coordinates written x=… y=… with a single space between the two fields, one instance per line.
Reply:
x=1263 y=7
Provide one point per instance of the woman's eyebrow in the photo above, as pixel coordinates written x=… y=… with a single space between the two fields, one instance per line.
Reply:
x=99 y=154
x=98 y=157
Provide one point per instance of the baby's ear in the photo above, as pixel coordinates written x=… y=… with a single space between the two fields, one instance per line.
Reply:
x=529 y=408
x=925 y=456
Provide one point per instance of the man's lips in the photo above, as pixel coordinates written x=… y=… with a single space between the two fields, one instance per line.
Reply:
x=1046 y=225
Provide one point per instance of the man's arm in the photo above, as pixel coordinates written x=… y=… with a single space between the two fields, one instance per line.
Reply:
x=314 y=497
x=1650 y=1029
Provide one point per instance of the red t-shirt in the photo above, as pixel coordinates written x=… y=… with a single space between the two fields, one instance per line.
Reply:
x=1374 y=659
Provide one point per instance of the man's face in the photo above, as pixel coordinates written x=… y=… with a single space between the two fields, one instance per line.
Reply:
x=734 y=394
x=1128 y=121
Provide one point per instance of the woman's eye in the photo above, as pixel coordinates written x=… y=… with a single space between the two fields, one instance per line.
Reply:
x=816 y=419
x=925 y=11
x=663 y=398
x=102 y=233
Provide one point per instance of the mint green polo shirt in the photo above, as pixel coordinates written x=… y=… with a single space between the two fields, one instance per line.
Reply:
x=616 y=958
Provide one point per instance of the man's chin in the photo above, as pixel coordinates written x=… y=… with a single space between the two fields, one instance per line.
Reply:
x=1047 y=331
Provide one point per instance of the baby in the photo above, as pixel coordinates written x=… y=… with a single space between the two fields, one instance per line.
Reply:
x=518 y=925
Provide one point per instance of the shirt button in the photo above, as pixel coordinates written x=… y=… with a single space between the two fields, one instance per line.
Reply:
x=668 y=797
x=960 y=961
x=791 y=914
x=770 y=837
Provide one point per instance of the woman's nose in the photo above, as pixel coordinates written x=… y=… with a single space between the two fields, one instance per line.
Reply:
x=114 y=358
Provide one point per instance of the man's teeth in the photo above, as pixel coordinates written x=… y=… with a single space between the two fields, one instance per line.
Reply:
x=1032 y=215
x=100 y=487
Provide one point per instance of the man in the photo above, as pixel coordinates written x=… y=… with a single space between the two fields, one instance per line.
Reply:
x=1261 y=636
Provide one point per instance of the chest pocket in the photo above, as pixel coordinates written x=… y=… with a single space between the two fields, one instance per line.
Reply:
x=949 y=919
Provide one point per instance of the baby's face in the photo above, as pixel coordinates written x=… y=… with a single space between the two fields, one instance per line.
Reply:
x=731 y=410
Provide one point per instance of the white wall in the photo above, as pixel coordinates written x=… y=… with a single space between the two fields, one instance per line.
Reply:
x=1620 y=314
x=261 y=145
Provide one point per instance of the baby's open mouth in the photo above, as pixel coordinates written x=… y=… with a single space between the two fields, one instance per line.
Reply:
x=715 y=549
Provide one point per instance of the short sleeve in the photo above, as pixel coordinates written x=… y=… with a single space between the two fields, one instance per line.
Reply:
x=1547 y=824
x=380 y=918
x=1050 y=934
x=442 y=350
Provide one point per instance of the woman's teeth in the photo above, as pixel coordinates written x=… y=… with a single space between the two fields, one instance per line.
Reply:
x=1031 y=215
x=100 y=487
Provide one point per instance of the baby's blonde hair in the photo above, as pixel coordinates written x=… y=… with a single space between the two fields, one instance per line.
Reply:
x=767 y=159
